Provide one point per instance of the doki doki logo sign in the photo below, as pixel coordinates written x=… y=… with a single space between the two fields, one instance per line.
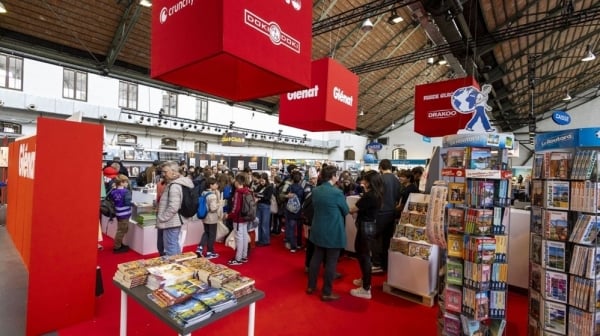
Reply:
x=26 y=162
x=272 y=30
x=180 y=5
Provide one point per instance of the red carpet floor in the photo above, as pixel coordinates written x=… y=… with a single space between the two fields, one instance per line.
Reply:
x=286 y=309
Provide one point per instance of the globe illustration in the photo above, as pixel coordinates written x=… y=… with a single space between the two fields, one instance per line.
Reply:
x=465 y=99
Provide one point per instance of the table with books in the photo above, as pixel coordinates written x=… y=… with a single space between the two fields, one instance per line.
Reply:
x=185 y=292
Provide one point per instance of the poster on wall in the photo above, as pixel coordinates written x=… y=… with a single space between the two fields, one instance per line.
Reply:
x=3 y=156
x=240 y=165
x=253 y=165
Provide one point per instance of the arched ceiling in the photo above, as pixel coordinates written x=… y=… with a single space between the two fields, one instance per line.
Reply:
x=529 y=50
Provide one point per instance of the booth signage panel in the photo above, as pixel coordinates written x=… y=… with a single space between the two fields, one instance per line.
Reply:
x=561 y=117
x=374 y=146
x=238 y=50
x=329 y=104
x=233 y=139
x=556 y=140
x=498 y=140
x=434 y=114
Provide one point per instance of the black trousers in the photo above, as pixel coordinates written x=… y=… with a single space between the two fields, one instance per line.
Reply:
x=208 y=237
x=380 y=244
x=363 y=253
x=332 y=255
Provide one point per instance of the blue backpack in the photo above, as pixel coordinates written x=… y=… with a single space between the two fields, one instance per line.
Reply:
x=203 y=205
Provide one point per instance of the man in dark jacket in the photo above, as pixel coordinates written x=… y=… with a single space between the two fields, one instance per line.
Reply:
x=385 y=217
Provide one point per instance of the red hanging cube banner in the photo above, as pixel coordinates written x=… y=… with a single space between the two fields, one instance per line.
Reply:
x=434 y=114
x=238 y=50
x=330 y=104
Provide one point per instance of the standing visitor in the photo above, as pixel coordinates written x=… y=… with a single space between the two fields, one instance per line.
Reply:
x=215 y=212
x=169 y=219
x=386 y=216
x=263 y=194
x=366 y=209
x=240 y=225
x=328 y=232
x=121 y=196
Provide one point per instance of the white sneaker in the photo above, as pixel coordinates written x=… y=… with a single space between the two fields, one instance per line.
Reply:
x=357 y=282
x=361 y=293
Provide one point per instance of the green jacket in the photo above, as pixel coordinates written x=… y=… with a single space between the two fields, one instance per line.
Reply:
x=329 y=221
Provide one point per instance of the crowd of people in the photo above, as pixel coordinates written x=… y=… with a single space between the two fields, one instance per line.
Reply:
x=282 y=200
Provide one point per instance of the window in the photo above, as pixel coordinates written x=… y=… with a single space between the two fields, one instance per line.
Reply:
x=201 y=109
x=349 y=154
x=9 y=127
x=170 y=104
x=128 y=95
x=399 y=154
x=11 y=69
x=74 y=85
x=126 y=139
x=168 y=143
x=200 y=146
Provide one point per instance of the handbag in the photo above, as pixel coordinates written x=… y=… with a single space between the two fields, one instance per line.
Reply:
x=367 y=228
x=230 y=240
x=222 y=231
x=274 y=206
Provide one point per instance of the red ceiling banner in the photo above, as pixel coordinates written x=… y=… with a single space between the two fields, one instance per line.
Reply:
x=434 y=114
x=330 y=104
x=238 y=50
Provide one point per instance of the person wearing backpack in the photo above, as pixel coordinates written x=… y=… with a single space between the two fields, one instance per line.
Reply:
x=240 y=220
x=293 y=212
x=263 y=194
x=169 y=218
x=214 y=211
x=121 y=197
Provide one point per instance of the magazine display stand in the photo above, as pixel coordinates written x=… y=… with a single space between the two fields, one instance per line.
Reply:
x=563 y=258
x=410 y=249
x=474 y=277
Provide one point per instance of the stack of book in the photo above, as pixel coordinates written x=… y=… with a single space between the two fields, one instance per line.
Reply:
x=189 y=312
x=168 y=274
x=217 y=299
x=239 y=286
x=177 y=293
x=131 y=277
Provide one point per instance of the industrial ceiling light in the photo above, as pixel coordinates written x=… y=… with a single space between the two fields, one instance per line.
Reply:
x=430 y=60
x=362 y=113
x=2 y=8
x=395 y=18
x=146 y=3
x=589 y=55
x=367 y=26
x=442 y=61
x=567 y=97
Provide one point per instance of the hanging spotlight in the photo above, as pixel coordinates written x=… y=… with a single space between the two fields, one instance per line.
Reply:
x=442 y=61
x=367 y=26
x=393 y=124
x=362 y=113
x=430 y=60
x=589 y=55
x=567 y=97
x=2 y=8
x=146 y=3
x=395 y=18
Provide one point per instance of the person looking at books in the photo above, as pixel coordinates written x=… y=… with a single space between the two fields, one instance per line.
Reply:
x=121 y=196
x=407 y=181
x=239 y=224
x=385 y=222
x=215 y=211
x=168 y=218
x=366 y=209
x=328 y=232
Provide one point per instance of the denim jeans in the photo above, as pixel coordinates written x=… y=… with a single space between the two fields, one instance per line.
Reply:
x=290 y=232
x=171 y=240
x=160 y=242
x=241 y=240
x=263 y=212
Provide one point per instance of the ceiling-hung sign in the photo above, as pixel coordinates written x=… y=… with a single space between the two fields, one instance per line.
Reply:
x=234 y=139
x=238 y=50
x=561 y=117
x=374 y=147
x=435 y=114
x=329 y=104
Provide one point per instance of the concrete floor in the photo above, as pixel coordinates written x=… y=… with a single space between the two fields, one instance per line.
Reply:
x=13 y=287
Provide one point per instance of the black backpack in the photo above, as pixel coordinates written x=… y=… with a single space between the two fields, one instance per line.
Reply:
x=308 y=210
x=189 y=201
x=141 y=178
x=107 y=207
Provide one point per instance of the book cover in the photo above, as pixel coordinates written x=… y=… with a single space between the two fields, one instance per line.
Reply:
x=454 y=272
x=453 y=299
x=535 y=276
x=455 y=158
x=216 y=299
x=538 y=161
x=537 y=193
x=452 y=325
x=190 y=311
x=557 y=195
x=556 y=286
x=486 y=194
x=456 y=192
x=455 y=245
x=536 y=220
x=480 y=158
x=535 y=305
x=555 y=315
x=554 y=257
x=559 y=165
x=556 y=225
x=534 y=327
x=418 y=250
x=184 y=290
x=456 y=220
x=535 y=249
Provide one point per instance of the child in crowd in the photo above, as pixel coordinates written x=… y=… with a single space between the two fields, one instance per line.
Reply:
x=121 y=196
x=215 y=211
x=240 y=225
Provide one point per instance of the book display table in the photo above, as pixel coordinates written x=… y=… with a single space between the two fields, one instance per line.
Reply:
x=140 y=294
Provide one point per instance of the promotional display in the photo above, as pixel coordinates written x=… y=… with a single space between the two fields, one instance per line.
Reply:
x=238 y=50
x=54 y=227
x=330 y=104
x=581 y=137
x=435 y=108
x=234 y=139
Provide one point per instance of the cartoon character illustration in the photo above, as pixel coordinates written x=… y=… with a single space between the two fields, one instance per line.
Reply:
x=468 y=100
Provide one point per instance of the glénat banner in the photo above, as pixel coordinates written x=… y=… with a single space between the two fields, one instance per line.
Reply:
x=238 y=50
x=330 y=104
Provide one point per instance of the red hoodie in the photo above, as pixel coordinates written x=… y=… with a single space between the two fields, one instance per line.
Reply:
x=238 y=200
